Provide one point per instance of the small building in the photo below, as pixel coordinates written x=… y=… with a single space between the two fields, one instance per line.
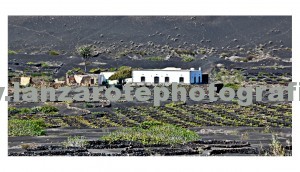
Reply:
x=82 y=80
x=104 y=78
x=167 y=75
x=56 y=81
x=70 y=79
x=90 y=79
x=24 y=81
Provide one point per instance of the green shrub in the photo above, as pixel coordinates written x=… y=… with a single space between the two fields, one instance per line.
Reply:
x=112 y=69
x=223 y=55
x=202 y=51
x=75 y=141
x=122 y=73
x=75 y=71
x=30 y=63
x=154 y=133
x=185 y=52
x=17 y=127
x=140 y=52
x=123 y=53
x=157 y=58
x=47 y=109
x=44 y=64
x=88 y=105
x=276 y=148
x=95 y=70
x=232 y=85
x=187 y=58
x=226 y=76
x=11 y=52
x=53 y=53
x=20 y=111
x=148 y=124
x=174 y=104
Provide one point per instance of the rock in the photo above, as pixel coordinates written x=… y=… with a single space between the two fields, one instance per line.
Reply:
x=236 y=58
x=219 y=65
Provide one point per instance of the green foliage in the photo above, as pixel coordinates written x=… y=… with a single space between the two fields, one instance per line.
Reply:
x=112 y=69
x=69 y=72
x=85 y=51
x=232 y=85
x=53 y=53
x=148 y=124
x=244 y=60
x=95 y=70
x=276 y=147
x=187 y=58
x=17 y=127
x=44 y=64
x=88 y=105
x=30 y=63
x=75 y=141
x=47 y=109
x=261 y=74
x=141 y=52
x=174 y=104
x=149 y=133
x=122 y=73
x=227 y=76
x=127 y=52
x=123 y=53
x=20 y=111
x=223 y=55
x=156 y=58
x=75 y=70
x=202 y=51
x=12 y=52
x=186 y=52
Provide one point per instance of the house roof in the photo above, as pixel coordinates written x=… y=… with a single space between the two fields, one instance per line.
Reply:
x=181 y=70
x=168 y=69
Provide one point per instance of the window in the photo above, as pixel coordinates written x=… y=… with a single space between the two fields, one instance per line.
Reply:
x=156 y=80
x=181 y=79
x=143 y=79
x=92 y=81
x=167 y=79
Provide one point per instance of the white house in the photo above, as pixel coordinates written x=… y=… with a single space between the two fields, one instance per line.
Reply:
x=167 y=75
x=104 y=77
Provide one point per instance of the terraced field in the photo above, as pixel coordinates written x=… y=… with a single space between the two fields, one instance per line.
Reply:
x=196 y=115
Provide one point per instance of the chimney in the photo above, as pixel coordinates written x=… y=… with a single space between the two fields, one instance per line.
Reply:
x=200 y=68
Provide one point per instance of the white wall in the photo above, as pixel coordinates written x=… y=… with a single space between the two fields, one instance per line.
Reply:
x=150 y=74
x=104 y=76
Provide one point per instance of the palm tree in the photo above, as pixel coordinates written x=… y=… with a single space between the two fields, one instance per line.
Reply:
x=85 y=52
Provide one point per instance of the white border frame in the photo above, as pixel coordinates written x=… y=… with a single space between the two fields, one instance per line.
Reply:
x=153 y=7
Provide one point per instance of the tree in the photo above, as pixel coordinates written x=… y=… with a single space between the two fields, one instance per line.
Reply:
x=85 y=52
x=123 y=73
